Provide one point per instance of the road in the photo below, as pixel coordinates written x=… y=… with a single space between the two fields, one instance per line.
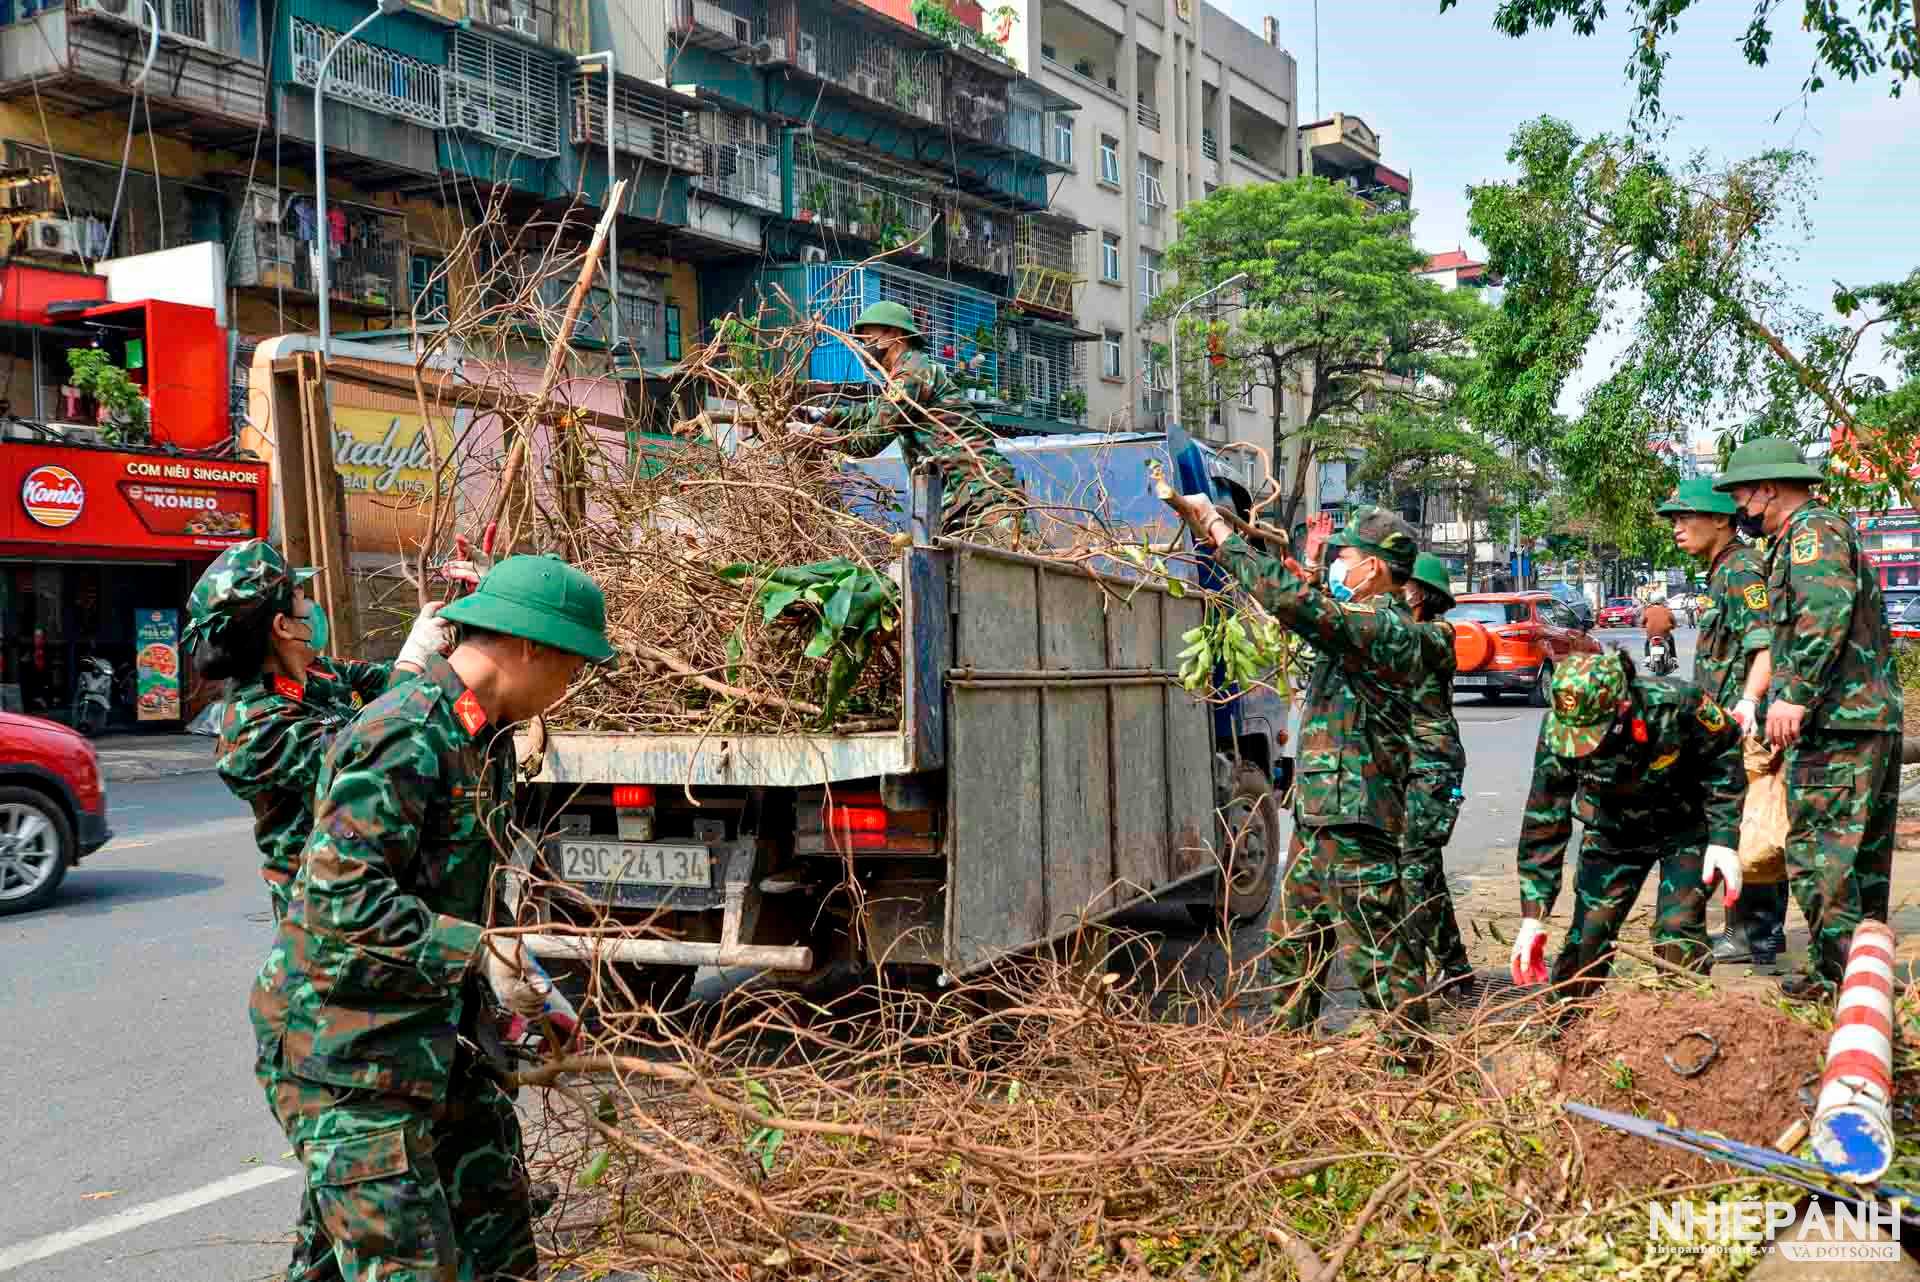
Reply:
x=140 y=1145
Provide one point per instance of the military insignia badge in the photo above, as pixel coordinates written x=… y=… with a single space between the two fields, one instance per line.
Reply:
x=1805 y=548
x=1755 y=596
x=1662 y=762
x=472 y=716
x=1710 y=715
x=358 y=702
x=287 y=688
x=1564 y=702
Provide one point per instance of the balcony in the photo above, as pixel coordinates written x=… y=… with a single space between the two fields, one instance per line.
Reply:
x=979 y=237
x=647 y=124
x=1148 y=117
x=500 y=92
x=276 y=250
x=849 y=47
x=207 y=82
x=1044 y=373
x=959 y=322
x=724 y=27
x=857 y=197
x=739 y=161
x=1047 y=264
x=1209 y=145
x=368 y=76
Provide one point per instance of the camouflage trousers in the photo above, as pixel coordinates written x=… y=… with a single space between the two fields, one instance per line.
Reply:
x=407 y=1191
x=312 y=1249
x=1606 y=884
x=1433 y=806
x=1842 y=793
x=1343 y=892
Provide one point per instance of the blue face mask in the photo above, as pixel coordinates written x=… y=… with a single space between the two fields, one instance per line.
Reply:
x=316 y=620
x=1337 y=581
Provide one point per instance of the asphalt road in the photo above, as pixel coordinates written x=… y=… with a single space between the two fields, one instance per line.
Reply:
x=138 y=1145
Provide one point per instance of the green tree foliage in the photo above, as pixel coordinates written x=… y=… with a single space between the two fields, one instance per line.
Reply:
x=1331 y=312
x=1854 y=38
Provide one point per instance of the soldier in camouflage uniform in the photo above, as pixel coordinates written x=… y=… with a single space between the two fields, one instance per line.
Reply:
x=1652 y=767
x=253 y=625
x=1350 y=796
x=1834 y=703
x=936 y=426
x=1730 y=657
x=371 y=1003
x=1433 y=787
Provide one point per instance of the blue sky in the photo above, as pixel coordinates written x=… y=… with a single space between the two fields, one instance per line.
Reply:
x=1446 y=92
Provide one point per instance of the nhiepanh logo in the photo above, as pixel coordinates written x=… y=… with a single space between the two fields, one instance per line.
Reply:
x=1868 y=1233
x=53 y=496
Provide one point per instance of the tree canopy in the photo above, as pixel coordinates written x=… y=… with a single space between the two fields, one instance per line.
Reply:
x=1853 y=38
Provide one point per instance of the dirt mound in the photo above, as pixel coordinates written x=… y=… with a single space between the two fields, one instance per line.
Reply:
x=1616 y=1058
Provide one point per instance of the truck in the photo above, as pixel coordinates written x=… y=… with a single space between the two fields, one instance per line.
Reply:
x=1049 y=769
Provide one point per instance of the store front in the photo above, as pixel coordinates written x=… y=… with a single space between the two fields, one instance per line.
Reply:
x=99 y=549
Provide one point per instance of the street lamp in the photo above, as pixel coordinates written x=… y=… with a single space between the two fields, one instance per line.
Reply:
x=323 y=243
x=1173 y=336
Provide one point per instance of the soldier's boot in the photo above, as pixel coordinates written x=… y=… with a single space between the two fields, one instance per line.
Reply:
x=1763 y=911
x=1732 y=945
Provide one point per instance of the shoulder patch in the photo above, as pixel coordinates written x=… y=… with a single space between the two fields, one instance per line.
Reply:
x=1755 y=596
x=1805 y=548
x=288 y=688
x=1710 y=714
x=469 y=712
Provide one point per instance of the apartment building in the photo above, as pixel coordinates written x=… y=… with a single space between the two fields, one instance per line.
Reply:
x=1175 y=100
x=1346 y=150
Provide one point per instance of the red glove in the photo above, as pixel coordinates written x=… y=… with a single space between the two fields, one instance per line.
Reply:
x=1529 y=962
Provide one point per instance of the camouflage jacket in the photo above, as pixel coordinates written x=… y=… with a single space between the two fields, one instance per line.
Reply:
x=367 y=981
x=1735 y=627
x=1356 y=719
x=1688 y=777
x=1831 y=650
x=923 y=407
x=1439 y=758
x=273 y=739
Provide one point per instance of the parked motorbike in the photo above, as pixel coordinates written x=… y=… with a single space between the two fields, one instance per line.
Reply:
x=93 y=696
x=1660 y=657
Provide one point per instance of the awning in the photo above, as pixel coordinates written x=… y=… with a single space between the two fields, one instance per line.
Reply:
x=1054 y=329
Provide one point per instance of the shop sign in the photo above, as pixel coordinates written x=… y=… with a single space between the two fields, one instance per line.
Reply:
x=187 y=512
x=380 y=452
x=53 y=496
x=156 y=661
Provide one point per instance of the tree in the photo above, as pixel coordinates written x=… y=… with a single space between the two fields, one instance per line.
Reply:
x=1877 y=37
x=1685 y=259
x=1331 y=311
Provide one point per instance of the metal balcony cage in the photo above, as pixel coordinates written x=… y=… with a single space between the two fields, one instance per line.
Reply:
x=879 y=65
x=211 y=24
x=504 y=93
x=1044 y=372
x=976 y=102
x=739 y=159
x=65 y=212
x=529 y=19
x=643 y=125
x=1048 y=263
x=729 y=27
x=369 y=76
x=864 y=199
x=978 y=236
x=958 y=322
x=277 y=243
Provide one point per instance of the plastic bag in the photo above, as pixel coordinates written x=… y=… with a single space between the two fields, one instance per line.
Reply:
x=1763 y=821
x=208 y=722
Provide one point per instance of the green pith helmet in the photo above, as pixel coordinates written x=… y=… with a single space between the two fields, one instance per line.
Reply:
x=1381 y=533
x=1698 y=496
x=1430 y=572
x=542 y=599
x=1767 y=458
x=891 y=314
x=243 y=576
x=1587 y=690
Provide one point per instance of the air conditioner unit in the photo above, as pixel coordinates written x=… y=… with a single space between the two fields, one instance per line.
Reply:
x=813 y=254
x=924 y=109
x=809 y=59
x=684 y=155
x=776 y=47
x=56 y=236
x=306 y=70
x=121 y=9
x=527 y=25
x=866 y=84
x=477 y=118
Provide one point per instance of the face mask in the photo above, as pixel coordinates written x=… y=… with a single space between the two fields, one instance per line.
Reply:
x=1337 y=581
x=1748 y=525
x=316 y=620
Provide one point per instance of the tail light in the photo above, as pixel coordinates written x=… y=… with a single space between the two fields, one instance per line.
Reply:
x=857 y=818
x=632 y=796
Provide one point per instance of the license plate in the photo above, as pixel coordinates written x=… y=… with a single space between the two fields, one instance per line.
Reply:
x=1471 y=683
x=633 y=863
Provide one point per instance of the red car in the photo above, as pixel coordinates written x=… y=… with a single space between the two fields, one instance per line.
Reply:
x=1620 y=612
x=53 y=808
x=1509 y=642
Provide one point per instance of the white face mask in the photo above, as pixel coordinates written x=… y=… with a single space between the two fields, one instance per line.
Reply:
x=1337 y=581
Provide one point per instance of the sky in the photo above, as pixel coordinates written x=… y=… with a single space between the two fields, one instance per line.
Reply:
x=1446 y=92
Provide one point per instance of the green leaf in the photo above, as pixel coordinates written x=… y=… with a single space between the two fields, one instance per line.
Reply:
x=1175 y=588
x=774 y=600
x=595 y=1170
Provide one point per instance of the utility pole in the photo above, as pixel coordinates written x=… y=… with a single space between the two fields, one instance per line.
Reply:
x=1316 y=59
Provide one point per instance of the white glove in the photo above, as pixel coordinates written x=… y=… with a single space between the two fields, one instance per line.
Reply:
x=515 y=983
x=1746 y=714
x=430 y=634
x=1723 y=862
x=1529 y=962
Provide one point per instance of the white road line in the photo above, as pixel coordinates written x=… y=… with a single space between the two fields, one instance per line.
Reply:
x=134 y=1217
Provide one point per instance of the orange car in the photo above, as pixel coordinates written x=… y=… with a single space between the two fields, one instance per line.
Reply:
x=1509 y=642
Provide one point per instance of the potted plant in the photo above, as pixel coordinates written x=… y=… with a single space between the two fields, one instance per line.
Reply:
x=1073 y=403
x=121 y=409
x=813 y=202
x=1016 y=393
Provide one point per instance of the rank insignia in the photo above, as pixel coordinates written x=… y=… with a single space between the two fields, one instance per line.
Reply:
x=1755 y=596
x=472 y=716
x=287 y=688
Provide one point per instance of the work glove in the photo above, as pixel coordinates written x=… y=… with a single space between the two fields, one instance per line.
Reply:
x=430 y=634
x=519 y=984
x=1723 y=862
x=1529 y=962
x=1747 y=716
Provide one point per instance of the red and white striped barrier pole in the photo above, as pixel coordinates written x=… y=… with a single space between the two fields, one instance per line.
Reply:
x=1852 y=1121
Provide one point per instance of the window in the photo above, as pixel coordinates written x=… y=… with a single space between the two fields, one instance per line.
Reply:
x=428 y=294
x=673 y=331
x=1109 y=160
x=1494 y=612
x=1153 y=198
x=1110 y=354
x=1063 y=139
x=1149 y=277
x=1246 y=395
x=1109 y=256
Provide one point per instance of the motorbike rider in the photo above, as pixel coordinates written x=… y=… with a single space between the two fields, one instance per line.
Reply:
x=1658 y=621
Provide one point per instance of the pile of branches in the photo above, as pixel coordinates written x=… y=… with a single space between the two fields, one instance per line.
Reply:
x=1052 y=1122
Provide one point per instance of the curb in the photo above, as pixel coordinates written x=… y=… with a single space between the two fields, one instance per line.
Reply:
x=146 y=772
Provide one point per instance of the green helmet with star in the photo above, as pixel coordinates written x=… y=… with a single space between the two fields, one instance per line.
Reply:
x=1430 y=572
x=893 y=315
x=1588 y=690
x=242 y=578
x=1767 y=458
x=1378 y=532
x=540 y=599
x=1698 y=495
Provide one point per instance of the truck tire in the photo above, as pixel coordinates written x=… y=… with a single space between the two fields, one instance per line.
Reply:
x=36 y=846
x=1252 y=816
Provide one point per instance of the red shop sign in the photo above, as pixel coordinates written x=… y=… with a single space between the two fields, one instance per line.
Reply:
x=191 y=511
x=53 y=496
x=86 y=498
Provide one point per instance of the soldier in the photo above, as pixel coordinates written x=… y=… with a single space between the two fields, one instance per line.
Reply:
x=1730 y=655
x=1433 y=787
x=286 y=702
x=1652 y=767
x=369 y=1005
x=1834 y=703
x=1343 y=871
x=923 y=407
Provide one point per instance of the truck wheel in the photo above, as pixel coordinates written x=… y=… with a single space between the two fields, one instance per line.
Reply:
x=36 y=845
x=1251 y=830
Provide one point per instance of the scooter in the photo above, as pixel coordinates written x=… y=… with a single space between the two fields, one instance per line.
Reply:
x=93 y=696
x=1660 y=657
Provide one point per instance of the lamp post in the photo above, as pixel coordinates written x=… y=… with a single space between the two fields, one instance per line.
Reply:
x=1173 y=336
x=324 y=242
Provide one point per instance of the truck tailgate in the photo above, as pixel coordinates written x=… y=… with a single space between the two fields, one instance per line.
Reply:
x=765 y=761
